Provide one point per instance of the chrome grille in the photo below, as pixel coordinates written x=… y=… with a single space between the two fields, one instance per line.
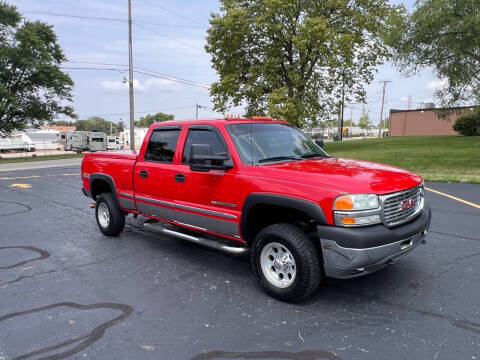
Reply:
x=392 y=206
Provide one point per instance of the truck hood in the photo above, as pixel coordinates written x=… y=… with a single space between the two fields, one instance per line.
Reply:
x=344 y=175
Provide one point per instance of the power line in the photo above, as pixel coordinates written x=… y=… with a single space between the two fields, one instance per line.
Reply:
x=76 y=16
x=172 y=12
x=166 y=76
x=170 y=78
x=98 y=18
x=140 y=112
x=168 y=37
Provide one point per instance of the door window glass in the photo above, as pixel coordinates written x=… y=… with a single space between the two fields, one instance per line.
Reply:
x=161 y=146
x=201 y=136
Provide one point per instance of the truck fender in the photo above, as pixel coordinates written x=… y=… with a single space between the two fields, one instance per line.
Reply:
x=103 y=177
x=308 y=207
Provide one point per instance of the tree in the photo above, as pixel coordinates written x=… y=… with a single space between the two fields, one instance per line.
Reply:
x=120 y=126
x=444 y=35
x=147 y=120
x=63 y=123
x=96 y=123
x=292 y=59
x=33 y=88
x=468 y=124
x=364 y=122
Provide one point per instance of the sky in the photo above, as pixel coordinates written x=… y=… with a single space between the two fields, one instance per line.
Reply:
x=169 y=39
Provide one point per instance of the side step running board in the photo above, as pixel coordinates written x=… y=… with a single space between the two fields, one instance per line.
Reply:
x=199 y=240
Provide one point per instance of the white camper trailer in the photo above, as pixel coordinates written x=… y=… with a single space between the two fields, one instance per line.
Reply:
x=80 y=141
x=16 y=142
x=113 y=143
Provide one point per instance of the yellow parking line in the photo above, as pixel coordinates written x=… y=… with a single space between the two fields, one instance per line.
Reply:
x=454 y=198
x=35 y=176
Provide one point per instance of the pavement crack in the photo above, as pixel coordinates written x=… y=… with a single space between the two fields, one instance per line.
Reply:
x=84 y=340
x=43 y=255
x=23 y=277
x=27 y=208
x=454 y=235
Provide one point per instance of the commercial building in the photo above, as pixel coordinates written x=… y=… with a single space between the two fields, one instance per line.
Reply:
x=424 y=122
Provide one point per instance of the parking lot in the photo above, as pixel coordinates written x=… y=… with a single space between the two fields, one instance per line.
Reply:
x=66 y=291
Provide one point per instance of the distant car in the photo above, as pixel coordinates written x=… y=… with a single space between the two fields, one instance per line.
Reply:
x=262 y=186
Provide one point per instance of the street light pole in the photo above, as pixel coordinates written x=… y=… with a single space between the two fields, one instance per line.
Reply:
x=130 y=77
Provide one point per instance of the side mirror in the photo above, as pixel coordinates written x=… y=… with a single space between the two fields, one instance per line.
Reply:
x=319 y=142
x=202 y=159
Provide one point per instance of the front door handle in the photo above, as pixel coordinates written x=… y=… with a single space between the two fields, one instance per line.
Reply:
x=143 y=173
x=180 y=177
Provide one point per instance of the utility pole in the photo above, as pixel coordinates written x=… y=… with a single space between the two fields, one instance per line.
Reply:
x=340 y=114
x=409 y=102
x=196 y=111
x=383 y=102
x=130 y=77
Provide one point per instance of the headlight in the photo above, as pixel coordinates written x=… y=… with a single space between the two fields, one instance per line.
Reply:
x=357 y=210
x=356 y=202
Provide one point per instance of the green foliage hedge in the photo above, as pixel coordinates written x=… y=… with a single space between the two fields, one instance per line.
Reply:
x=468 y=125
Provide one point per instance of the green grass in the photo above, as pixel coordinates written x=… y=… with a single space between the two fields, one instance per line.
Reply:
x=39 y=158
x=436 y=158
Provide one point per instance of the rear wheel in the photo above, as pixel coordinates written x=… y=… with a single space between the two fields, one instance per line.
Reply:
x=110 y=218
x=286 y=262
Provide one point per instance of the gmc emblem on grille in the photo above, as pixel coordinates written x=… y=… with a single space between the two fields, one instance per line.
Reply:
x=407 y=204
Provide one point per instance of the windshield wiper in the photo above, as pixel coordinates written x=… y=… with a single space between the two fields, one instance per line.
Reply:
x=275 y=158
x=314 y=155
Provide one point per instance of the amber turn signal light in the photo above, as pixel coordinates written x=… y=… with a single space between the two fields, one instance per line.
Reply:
x=348 y=221
x=344 y=203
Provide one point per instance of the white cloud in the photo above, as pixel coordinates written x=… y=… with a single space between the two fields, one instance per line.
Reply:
x=405 y=98
x=149 y=85
x=437 y=85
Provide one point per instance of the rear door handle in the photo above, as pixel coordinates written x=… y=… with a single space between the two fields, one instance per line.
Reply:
x=180 y=177
x=143 y=173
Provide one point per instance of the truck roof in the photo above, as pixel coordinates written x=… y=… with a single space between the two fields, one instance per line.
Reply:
x=255 y=119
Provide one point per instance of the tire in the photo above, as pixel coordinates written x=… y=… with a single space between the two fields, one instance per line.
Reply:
x=304 y=274
x=110 y=218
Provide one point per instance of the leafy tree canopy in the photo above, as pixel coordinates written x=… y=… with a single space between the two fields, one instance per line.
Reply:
x=292 y=59
x=33 y=88
x=364 y=122
x=96 y=123
x=444 y=35
x=147 y=120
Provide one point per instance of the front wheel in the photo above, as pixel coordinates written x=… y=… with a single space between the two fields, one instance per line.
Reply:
x=286 y=262
x=110 y=218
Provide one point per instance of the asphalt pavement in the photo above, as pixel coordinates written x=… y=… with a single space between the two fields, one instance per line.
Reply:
x=67 y=291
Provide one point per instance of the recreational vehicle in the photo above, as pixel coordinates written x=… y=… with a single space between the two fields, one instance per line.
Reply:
x=16 y=142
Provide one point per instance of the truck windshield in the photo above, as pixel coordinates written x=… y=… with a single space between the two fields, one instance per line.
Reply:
x=263 y=143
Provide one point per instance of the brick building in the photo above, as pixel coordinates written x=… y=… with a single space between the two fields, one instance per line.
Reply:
x=423 y=122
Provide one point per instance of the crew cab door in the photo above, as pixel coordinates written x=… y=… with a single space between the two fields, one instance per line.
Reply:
x=207 y=200
x=153 y=178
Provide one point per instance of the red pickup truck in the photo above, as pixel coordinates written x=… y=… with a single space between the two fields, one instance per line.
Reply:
x=262 y=186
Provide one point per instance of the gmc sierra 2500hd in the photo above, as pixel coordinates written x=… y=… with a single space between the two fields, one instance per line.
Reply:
x=261 y=185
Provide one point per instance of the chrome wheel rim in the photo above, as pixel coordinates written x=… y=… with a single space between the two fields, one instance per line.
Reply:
x=103 y=215
x=278 y=265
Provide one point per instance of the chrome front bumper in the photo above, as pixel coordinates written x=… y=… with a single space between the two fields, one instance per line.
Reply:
x=342 y=263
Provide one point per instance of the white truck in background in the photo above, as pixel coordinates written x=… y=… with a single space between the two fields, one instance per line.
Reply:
x=113 y=143
x=16 y=142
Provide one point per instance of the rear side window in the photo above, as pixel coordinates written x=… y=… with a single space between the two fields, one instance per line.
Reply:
x=201 y=136
x=161 y=146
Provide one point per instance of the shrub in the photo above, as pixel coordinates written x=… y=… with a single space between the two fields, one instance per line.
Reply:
x=468 y=125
